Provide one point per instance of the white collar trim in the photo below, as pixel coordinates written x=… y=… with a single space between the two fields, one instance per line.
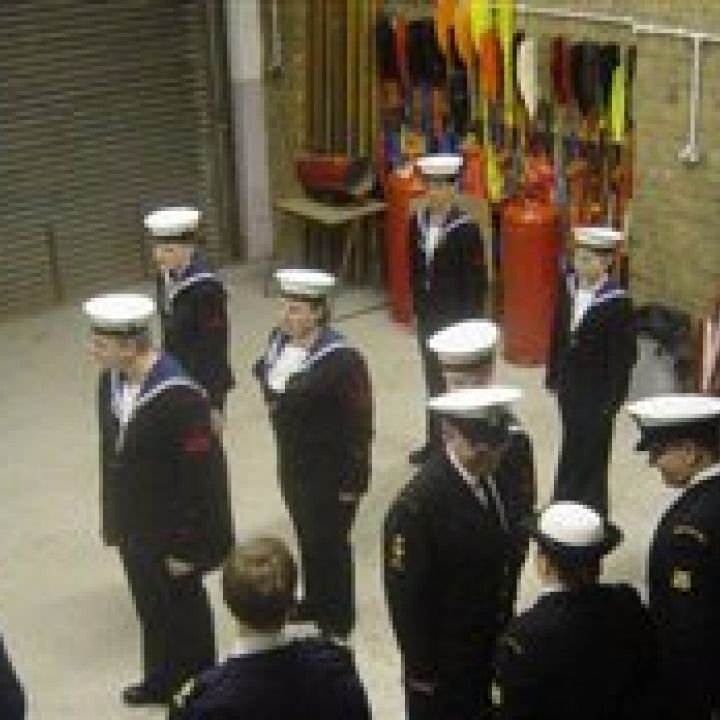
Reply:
x=258 y=643
x=177 y=287
x=708 y=472
x=550 y=588
x=477 y=491
x=245 y=646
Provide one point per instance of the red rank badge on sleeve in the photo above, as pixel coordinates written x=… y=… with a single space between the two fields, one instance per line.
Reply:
x=196 y=441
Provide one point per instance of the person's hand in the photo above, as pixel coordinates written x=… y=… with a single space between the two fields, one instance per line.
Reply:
x=217 y=421
x=177 y=567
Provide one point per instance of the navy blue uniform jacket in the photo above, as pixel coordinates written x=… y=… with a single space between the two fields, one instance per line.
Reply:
x=452 y=287
x=164 y=481
x=589 y=366
x=323 y=421
x=684 y=576
x=588 y=653
x=304 y=680
x=195 y=328
x=12 y=697
x=447 y=560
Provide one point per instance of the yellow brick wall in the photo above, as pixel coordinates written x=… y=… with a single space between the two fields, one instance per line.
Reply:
x=675 y=253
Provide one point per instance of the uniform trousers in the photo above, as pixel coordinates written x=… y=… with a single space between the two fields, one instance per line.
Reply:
x=178 y=638
x=322 y=526
x=582 y=474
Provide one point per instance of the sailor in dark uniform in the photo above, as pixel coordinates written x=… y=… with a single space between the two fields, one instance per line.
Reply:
x=584 y=649
x=592 y=354
x=164 y=492
x=466 y=352
x=12 y=696
x=682 y=436
x=448 y=552
x=448 y=276
x=319 y=396
x=193 y=304
x=271 y=672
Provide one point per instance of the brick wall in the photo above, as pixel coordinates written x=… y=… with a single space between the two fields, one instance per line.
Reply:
x=675 y=251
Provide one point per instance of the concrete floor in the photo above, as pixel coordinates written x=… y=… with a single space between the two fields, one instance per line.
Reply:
x=64 y=610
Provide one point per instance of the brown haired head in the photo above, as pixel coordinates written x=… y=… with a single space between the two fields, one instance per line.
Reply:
x=259 y=578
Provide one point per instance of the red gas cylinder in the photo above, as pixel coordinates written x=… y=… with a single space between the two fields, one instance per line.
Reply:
x=529 y=257
x=473 y=180
x=400 y=191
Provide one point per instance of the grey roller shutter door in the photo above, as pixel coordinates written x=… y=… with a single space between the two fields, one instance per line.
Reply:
x=105 y=112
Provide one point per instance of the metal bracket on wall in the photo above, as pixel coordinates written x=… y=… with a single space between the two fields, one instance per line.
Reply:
x=690 y=154
x=276 y=66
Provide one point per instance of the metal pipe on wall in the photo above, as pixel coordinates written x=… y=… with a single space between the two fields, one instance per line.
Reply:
x=636 y=27
x=650 y=29
x=690 y=154
x=584 y=15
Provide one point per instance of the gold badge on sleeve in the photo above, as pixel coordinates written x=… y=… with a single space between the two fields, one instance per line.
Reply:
x=396 y=552
x=681 y=580
x=185 y=691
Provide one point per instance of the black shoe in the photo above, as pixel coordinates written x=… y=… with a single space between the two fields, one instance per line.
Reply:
x=145 y=693
x=419 y=455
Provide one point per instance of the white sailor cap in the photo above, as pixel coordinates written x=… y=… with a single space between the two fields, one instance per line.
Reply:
x=305 y=283
x=441 y=166
x=481 y=414
x=173 y=224
x=474 y=403
x=596 y=237
x=119 y=313
x=465 y=343
x=574 y=533
x=664 y=418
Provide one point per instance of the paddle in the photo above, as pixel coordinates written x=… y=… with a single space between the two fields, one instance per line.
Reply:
x=400 y=48
x=480 y=20
x=619 y=116
x=528 y=80
x=417 y=71
x=390 y=99
x=458 y=93
x=608 y=62
x=562 y=90
x=462 y=36
x=443 y=17
x=487 y=47
x=435 y=95
x=506 y=31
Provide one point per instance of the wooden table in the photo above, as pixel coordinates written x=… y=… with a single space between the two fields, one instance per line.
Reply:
x=348 y=219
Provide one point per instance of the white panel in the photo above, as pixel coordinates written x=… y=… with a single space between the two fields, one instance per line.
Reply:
x=244 y=40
